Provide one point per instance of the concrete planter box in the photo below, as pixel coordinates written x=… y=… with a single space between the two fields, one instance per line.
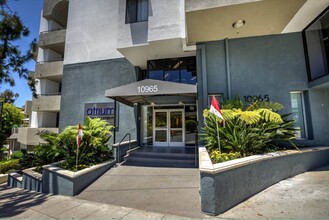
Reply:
x=3 y=178
x=224 y=185
x=58 y=181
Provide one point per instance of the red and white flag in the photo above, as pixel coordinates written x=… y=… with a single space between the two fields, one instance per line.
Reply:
x=79 y=136
x=214 y=108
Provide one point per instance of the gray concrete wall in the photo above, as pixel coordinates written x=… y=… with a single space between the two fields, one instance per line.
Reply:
x=222 y=190
x=268 y=65
x=58 y=181
x=87 y=82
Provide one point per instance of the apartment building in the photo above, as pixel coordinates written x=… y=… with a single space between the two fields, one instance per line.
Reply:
x=150 y=66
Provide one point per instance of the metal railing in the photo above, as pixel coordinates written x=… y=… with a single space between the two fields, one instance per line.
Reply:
x=196 y=150
x=118 y=147
x=49 y=94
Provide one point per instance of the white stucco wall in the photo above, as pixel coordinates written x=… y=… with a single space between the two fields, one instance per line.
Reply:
x=48 y=87
x=166 y=21
x=91 y=31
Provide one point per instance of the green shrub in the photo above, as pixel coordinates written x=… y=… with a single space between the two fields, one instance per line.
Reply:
x=254 y=130
x=63 y=146
x=9 y=165
x=17 y=155
x=93 y=149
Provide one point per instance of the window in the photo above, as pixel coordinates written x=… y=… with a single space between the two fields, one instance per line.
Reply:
x=316 y=37
x=137 y=11
x=298 y=114
x=219 y=98
x=179 y=70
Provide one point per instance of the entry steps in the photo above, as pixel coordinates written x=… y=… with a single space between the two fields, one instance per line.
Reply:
x=183 y=157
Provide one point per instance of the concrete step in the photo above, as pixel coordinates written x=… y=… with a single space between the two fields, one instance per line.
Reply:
x=156 y=162
x=161 y=157
x=174 y=156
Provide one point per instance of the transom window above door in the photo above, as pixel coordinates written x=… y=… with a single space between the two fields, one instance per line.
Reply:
x=180 y=70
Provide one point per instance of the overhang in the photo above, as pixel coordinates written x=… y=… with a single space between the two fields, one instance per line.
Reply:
x=13 y=136
x=263 y=17
x=138 y=92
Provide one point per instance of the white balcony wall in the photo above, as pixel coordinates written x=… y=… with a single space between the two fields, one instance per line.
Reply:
x=43 y=23
x=47 y=119
x=43 y=119
x=52 y=25
x=34 y=119
x=46 y=55
x=91 y=31
x=48 y=87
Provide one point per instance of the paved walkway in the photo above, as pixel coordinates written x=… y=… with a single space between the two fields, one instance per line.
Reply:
x=18 y=203
x=166 y=190
x=305 y=196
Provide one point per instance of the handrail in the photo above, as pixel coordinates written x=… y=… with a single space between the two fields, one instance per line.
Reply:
x=49 y=94
x=118 y=147
x=195 y=149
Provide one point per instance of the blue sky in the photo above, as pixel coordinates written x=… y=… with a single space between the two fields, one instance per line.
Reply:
x=29 y=11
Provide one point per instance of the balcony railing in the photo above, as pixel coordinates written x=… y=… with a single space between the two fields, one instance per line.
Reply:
x=49 y=102
x=28 y=136
x=54 y=40
x=49 y=70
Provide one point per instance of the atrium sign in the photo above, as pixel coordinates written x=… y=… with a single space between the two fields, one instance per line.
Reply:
x=104 y=111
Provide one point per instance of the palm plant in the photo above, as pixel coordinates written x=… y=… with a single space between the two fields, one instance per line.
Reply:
x=93 y=148
x=257 y=129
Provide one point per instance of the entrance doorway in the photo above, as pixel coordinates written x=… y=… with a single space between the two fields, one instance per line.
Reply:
x=168 y=127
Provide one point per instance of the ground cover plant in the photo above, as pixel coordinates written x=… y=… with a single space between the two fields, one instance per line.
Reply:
x=253 y=129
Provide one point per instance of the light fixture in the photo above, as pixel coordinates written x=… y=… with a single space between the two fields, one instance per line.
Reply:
x=177 y=64
x=152 y=103
x=180 y=103
x=239 y=23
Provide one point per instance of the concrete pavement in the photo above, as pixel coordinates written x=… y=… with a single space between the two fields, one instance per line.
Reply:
x=18 y=203
x=305 y=196
x=172 y=191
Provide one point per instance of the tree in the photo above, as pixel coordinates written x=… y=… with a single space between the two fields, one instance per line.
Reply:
x=9 y=96
x=11 y=58
x=11 y=117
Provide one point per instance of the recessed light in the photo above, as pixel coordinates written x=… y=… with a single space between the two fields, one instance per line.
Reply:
x=239 y=24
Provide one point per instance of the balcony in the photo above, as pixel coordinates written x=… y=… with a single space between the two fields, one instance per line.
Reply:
x=47 y=103
x=28 y=136
x=56 y=10
x=49 y=70
x=54 y=40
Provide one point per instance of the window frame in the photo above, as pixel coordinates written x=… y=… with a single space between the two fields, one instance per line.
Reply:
x=135 y=19
x=303 y=112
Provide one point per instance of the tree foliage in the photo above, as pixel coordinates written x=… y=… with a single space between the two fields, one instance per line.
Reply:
x=12 y=60
x=9 y=96
x=11 y=117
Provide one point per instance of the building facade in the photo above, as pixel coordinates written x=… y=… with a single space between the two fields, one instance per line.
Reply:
x=149 y=66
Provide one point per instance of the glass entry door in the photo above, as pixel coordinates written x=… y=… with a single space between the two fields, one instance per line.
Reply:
x=168 y=127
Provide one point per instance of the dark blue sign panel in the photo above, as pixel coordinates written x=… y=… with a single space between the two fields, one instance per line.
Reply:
x=104 y=111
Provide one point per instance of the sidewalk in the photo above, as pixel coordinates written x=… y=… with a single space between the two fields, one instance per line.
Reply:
x=18 y=203
x=305 y=196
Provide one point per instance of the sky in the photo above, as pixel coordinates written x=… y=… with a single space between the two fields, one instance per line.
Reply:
x=29 y=11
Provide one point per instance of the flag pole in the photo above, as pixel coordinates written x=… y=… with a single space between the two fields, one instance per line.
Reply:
x=76 y=161
x=218 y=136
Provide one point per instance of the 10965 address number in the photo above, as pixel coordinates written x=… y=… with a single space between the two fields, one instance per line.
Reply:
x=147 y=89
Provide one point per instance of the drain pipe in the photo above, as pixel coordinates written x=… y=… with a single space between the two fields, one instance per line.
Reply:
x=228 y=70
